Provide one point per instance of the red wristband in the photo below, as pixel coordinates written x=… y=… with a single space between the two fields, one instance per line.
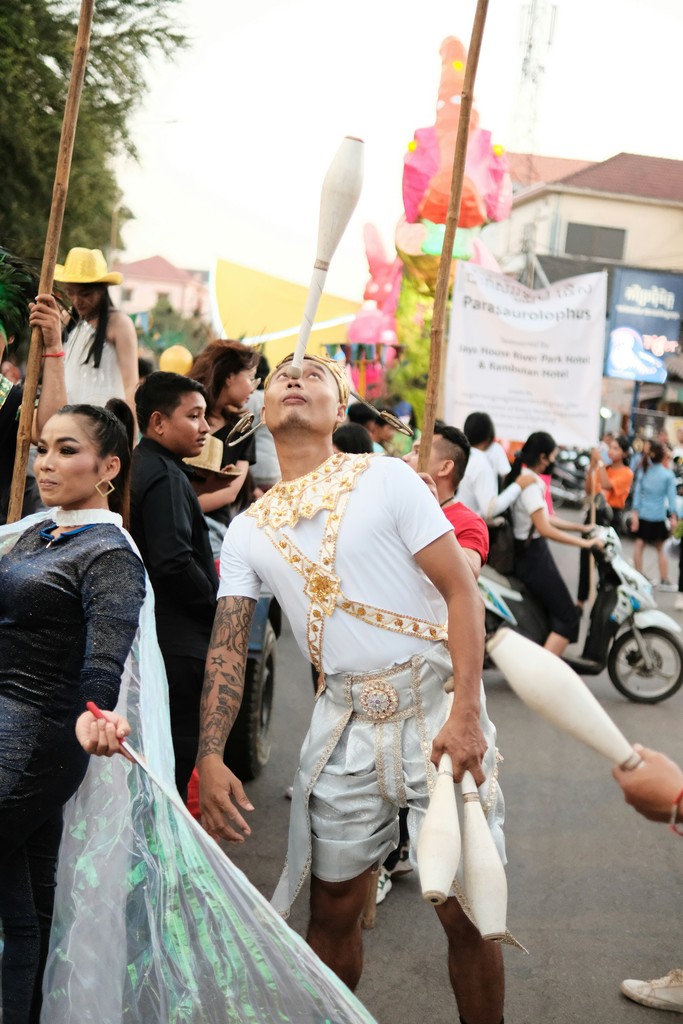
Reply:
x=676 y=806
x=54 y=355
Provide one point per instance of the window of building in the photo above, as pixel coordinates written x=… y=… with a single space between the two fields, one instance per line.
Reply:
x=596 y=241
x=127 y=294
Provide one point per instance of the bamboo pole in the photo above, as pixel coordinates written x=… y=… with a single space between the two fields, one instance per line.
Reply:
x=444 y=271
x=54 y=230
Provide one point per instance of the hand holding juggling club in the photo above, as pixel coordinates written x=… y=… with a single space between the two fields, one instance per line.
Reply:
x=553 y=689
x=483 y=872
x=438 y=848
x=340 y=192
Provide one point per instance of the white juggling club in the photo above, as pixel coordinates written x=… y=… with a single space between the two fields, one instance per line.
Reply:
x=340 y=192
x=483 y=872
x=438 y=848
x=552 y=688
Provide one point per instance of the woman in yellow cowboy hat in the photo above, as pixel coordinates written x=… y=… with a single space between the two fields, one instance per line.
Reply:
x=102 y=346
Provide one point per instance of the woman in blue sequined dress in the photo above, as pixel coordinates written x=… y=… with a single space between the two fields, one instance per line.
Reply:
x=152 y=923
x=71 y=589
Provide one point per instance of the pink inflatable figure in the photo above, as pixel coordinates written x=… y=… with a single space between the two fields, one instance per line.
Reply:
x=478 y=160
x=420 y=165
x=372 y=327
x=434 y=206
x=428 y=165
x=375 y=323
x=385 y=275
x=498 y=198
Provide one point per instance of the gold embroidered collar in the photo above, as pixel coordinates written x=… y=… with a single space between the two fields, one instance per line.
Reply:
x=291 y=500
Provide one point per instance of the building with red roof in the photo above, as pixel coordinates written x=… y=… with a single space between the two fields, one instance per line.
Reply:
x=572 y=217
x=589 y=216
x=146 y=282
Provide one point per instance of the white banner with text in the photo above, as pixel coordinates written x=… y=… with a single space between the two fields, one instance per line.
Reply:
x=531 y=359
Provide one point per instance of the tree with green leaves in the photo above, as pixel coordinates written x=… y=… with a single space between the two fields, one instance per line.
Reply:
x=168 y=327
x=407 y=377
x=36 y=49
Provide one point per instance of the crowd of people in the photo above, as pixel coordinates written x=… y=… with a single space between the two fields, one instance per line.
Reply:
x=386 y=609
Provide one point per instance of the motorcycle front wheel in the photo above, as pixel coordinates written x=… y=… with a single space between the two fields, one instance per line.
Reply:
x=629 y=674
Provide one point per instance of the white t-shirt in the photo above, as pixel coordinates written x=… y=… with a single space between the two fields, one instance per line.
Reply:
x=479 y=488
x=530 y=500
x=390 y=516
x=495 y=453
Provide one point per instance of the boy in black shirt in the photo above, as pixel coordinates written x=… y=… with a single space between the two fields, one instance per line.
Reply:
x=169 y=528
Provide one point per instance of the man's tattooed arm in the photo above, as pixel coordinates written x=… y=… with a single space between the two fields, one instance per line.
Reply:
x=224 y=675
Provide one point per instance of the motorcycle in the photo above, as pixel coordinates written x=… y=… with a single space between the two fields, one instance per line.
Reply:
x=567 y=483
x=640 y=645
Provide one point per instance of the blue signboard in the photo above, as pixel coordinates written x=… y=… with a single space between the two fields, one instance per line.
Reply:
x=644 y=325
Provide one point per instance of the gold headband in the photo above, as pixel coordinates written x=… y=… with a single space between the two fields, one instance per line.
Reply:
x=332 y=365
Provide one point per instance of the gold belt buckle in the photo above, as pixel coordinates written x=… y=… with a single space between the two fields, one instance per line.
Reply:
x=379 y=699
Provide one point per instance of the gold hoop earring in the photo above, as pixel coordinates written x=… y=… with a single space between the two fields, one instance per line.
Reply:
x=104 y=488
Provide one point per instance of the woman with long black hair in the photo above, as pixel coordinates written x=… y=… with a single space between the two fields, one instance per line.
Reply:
x=101 y=343
x=533 y=528
x=227 y=369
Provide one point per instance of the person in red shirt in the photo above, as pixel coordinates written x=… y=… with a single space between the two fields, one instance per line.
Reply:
x=448 y=459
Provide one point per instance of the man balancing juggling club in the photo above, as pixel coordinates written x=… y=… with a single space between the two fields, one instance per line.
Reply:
x=362 y=557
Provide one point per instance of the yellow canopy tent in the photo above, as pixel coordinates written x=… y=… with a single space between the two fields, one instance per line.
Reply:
x=252 y=305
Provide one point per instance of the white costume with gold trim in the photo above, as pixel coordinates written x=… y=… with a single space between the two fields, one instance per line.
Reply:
x=336 y=548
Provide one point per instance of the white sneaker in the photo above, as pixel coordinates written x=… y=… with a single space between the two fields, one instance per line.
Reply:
x=663 y=993
x=403 y=865
x=383 y=885
x=678 y=603
x=667 y=587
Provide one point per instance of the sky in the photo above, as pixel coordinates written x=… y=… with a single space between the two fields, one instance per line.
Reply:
x=236 y=133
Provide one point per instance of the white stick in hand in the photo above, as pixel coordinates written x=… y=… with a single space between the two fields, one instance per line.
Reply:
x=483 y=872
x=340 y=192
x=553 y=689
x=438 y=848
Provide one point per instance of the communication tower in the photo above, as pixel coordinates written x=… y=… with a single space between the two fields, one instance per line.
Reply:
x=537 y=29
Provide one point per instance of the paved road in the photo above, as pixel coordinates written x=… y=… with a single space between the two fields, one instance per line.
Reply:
x=595 y=891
